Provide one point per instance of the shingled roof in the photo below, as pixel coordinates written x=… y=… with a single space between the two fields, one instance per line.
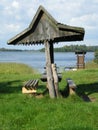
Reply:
x=45 y=27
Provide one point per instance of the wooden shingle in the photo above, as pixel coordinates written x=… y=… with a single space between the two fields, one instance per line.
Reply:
x=45 y=27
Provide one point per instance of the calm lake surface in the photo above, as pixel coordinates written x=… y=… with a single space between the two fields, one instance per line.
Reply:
x=37 y=59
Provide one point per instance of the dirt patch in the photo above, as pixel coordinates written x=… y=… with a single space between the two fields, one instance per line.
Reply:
x=39 y=96
x=93 y=99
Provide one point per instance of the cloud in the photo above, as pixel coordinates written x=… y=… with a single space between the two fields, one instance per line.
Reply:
x=15 y=4
x=88 y=20
x=12 y=27
x=17 y=15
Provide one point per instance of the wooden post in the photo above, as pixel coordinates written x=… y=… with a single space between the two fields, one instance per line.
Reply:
x=55 y=76
x=83 y=61
x=51 y=52
x=50 y=81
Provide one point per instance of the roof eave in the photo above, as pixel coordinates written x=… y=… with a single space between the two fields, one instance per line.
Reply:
x=17 y=36
x=74 y=33
x=71 y=28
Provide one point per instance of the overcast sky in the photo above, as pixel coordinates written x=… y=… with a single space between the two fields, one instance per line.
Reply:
x=16 y=15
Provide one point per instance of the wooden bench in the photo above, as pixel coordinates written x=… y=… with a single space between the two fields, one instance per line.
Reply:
x=30 y=86
x=44 y=77
x=71 y=86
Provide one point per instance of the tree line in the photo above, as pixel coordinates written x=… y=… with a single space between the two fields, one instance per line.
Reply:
x=73 y=48
x=96 y=57
x=5 y=49
x=70 y=48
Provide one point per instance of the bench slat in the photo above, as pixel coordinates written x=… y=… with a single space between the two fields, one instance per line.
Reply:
x=71 y=83
x=31 y=84
x=71 y=86
x=27 y=83
x=35 y=83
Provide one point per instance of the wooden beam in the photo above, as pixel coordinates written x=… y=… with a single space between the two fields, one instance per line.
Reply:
x=55 y=76
x=50 y=81
x=51 y=52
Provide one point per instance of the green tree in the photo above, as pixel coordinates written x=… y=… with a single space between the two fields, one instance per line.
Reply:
x=96 y=57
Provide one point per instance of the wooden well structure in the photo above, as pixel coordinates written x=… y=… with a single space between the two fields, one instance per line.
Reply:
x=44 y=29
x=80 y=59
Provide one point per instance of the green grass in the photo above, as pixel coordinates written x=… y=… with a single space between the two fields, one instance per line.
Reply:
x=24 y=112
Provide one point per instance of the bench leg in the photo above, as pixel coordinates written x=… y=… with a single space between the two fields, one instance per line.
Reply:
x=71 y=91
x=24 y=90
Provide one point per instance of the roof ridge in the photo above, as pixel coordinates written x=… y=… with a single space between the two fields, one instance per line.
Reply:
x=41 y=9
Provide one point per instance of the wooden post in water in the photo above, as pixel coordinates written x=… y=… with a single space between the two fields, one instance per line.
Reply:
x=50 y=81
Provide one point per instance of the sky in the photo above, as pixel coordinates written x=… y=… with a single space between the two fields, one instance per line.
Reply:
x=16 y=15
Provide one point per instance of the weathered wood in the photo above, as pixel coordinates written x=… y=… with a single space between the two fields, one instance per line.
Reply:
x=71 y=85
x=44 y=77
x=30 y=86
x=80 y=59
x=55 y=76
x=51 y=52
x=50 y=81
x=46 y=30
x=44 y=26
x=34 y=84
x=30 y=91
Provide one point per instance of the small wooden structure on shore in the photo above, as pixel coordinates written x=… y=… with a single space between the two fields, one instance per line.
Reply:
x=80 y=59
x=44 y=29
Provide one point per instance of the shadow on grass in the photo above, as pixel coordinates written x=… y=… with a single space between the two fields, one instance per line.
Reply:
x=83 y=91
x=88 y=88
x=65 y=92
x=10 y=87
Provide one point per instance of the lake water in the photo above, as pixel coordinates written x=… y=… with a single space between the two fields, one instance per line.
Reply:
x=37 y=59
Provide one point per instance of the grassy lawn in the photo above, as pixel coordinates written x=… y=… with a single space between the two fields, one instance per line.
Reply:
x=25 y=112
